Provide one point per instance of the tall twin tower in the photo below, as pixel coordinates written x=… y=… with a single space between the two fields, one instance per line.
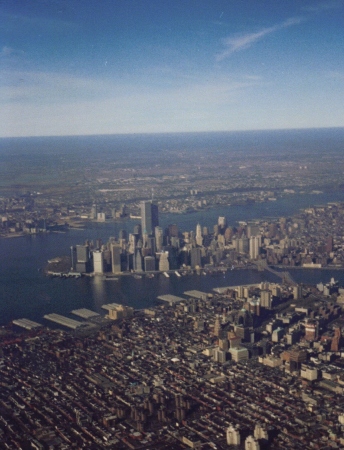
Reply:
x=149 y=217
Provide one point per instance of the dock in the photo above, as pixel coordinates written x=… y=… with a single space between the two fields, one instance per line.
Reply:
x=65 y=321
x=223 y=290
x=27 y=324
x=171 y=299
x=197 y=294
x=85 y=313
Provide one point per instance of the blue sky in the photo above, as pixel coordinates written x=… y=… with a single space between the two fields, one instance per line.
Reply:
x=71 y=67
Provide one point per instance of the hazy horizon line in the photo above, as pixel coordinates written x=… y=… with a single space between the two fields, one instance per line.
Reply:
x=156 y=133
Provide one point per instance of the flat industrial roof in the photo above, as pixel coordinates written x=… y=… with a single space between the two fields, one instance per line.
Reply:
x=196 y=294
x=85 y=313
x=110 y=306
x=62 y=320
x=171 y=298
x=26 y=323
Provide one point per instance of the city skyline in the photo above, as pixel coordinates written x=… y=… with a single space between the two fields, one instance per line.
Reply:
x=145 y=67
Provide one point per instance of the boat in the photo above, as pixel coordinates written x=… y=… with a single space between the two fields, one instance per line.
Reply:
x=177 y=273
x=137 y=277
x=166 y=275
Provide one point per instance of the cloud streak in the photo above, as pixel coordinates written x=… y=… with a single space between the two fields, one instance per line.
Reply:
x=324 y=6
x=241 y=42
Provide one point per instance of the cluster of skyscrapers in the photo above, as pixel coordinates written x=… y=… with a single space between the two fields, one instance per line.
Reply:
x=139 y=251
x=150 y=247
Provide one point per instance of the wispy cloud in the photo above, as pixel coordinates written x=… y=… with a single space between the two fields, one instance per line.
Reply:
x=7 y=51
x=324 y=6
x=240 y=42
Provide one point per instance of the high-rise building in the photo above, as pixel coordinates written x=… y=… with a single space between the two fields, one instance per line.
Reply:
x=265 y=299
x=254 y=247
x=138 y=266
x=222 y=222
x=164 y=264
x=98 y=262
x=116 y=258
x=196 y=256
x=242 y=245
x=173 y=230
x=159 y=238
x=149 y=263
x=82 y=253
x=253 y=230
x=199 y=238
x=149 y=216
x=94 y=211
x=73 y=257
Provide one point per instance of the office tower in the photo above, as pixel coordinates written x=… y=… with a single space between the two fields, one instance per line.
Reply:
x=228 y=234
x=94 y=211
x=254 y=247
x=73 y=257
x=107 y=258
x=151 y=245
x=138 y=229
x=116 y=258
x=265 y=299
x=98 y=262
x=159 y=238
x=82 y=258
x=297 y=292
x=149 y=217
x=82 y=253
x=132 y=243
x=196 y=260
x=164 y=264
x=149 y=263
x=173 y=230
x=222 y=223
x=243 y=245
x=138 y=266
x=199 y=238
x=253 y=230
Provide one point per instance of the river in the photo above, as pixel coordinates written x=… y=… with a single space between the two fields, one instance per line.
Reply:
x=26 y=292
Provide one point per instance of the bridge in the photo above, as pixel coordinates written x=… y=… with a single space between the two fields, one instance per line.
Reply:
x=285 y=276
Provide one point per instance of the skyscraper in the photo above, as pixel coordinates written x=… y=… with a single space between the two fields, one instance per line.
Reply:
x=116 y=258
x=159 y=237
x=254 y=246
x=149 y=217
x=199 y=238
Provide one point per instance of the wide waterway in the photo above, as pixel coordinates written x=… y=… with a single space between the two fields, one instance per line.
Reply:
x=26 y=292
